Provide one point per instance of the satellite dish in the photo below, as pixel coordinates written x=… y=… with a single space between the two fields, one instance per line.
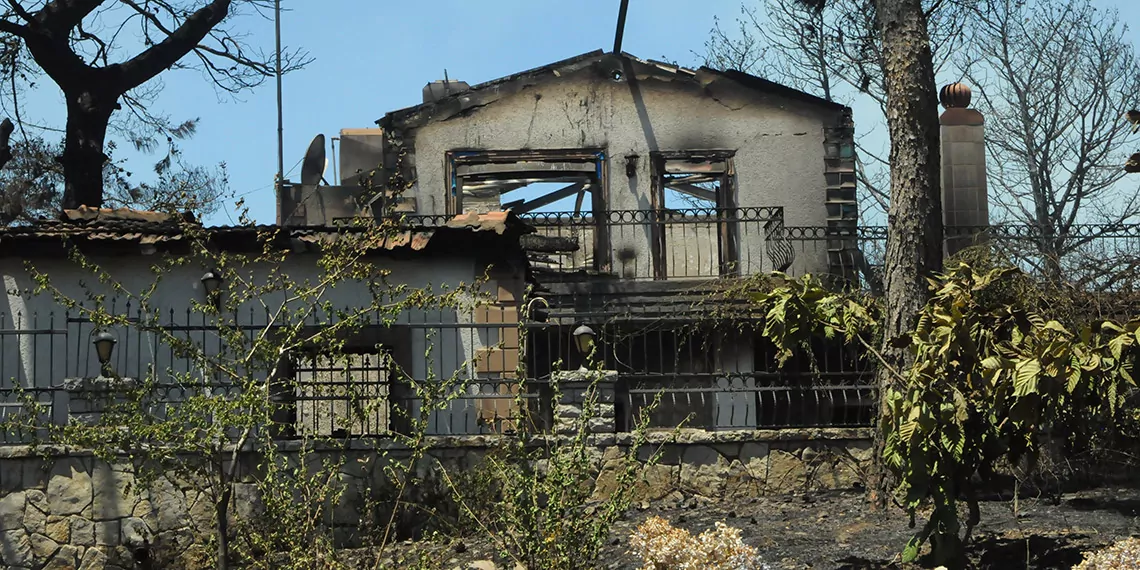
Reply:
x=314 y=163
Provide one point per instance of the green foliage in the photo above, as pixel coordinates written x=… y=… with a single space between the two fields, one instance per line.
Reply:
x=991 y=376
x=547 y=514
x=797 y=311
x=998 y=363
x=295 y=494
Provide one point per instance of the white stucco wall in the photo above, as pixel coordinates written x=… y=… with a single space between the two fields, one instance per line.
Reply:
x=779 y=144
x=43 y=360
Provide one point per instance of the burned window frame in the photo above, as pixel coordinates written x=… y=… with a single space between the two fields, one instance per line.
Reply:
x=456 y=159
x=725 y=206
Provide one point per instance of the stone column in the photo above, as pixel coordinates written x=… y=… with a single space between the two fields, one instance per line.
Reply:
x=577 y=390
x=965 y=201
x=85 y=399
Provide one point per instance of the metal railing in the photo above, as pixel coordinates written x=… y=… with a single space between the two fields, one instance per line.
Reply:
x=741 y=401
x=725 y=377
x=1090 y=257
x=372 y=392
x=42 y=354
x=660 y=244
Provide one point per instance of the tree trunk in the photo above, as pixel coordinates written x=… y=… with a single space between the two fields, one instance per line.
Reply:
x=88 y=113
x=222 y=525
x=914 y=224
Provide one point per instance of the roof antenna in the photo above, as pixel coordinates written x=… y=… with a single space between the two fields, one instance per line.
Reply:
x=620 y=25
x=280 y=123
x=445 y=80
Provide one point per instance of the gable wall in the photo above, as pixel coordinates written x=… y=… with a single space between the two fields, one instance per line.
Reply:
x=779 y=143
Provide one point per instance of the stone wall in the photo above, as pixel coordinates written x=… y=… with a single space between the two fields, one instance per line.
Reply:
x=65 y=510
x=743 y=464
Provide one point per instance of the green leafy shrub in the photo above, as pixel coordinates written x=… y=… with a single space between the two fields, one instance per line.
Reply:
x=991 y=377
x=547 y=515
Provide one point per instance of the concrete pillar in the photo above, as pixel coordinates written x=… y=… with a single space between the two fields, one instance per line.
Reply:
x=965 y=201
x=576 y=388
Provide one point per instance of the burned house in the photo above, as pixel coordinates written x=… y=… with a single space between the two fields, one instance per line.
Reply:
x=644 y=188
x=650 y=186
x=601 y=196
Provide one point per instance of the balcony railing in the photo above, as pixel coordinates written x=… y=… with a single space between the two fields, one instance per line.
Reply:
x=661 y=244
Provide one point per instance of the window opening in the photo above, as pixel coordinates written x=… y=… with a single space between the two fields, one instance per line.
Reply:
x=694 y=198
x=560 y=192
x=525 y=181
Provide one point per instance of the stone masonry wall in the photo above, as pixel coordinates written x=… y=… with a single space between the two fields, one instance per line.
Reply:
x=72 y=510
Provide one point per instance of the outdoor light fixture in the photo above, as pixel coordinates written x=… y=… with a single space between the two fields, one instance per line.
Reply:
x=211 y=281
x=584 y=337
x=104 y=345
x=631 y=165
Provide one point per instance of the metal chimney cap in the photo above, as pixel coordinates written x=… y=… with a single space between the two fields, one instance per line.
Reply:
x=955 y=96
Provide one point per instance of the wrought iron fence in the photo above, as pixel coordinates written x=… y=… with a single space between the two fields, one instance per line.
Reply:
x=728 y=382
x=720 y=377
x=659 y=244
x=372 y=390
x=719 y=242
x=365 y=390
x=654 y=244
x=740 y=401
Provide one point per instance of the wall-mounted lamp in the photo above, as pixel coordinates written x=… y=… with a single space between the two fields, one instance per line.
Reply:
x=104 y=346
x=631 y=165
x=584 y=338
x=211 y=282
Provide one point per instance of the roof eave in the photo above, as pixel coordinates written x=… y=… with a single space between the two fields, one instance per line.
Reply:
x=398 y=117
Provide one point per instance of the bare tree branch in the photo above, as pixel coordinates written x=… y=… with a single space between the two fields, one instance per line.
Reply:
x=1053 y=78
x=832 y=51
x=178 y=43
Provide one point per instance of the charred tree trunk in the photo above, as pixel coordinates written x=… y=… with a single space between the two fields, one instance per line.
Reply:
x=6 y=128
x=914 y=225
x=88 y=114
x=222 y=521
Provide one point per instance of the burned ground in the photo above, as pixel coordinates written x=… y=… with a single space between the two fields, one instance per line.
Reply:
x=837 y=530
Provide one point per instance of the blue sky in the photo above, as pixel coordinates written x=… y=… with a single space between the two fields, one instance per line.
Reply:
x=373 y=56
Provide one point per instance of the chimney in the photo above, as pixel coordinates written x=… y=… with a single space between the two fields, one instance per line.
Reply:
x=361 y=151
x=965 y=202
x=437 y=90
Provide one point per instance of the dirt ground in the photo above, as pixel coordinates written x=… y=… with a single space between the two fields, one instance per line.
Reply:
x=836 y=531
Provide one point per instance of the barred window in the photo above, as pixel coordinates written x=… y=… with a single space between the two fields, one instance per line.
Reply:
x=343 y=395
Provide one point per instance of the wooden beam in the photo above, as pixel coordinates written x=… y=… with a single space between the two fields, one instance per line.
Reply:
x=686 y=167
x=526 y=168
x=481 y=182
x=579 y=200
x=693 y=178
x=502 y=187
x=550 y=198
